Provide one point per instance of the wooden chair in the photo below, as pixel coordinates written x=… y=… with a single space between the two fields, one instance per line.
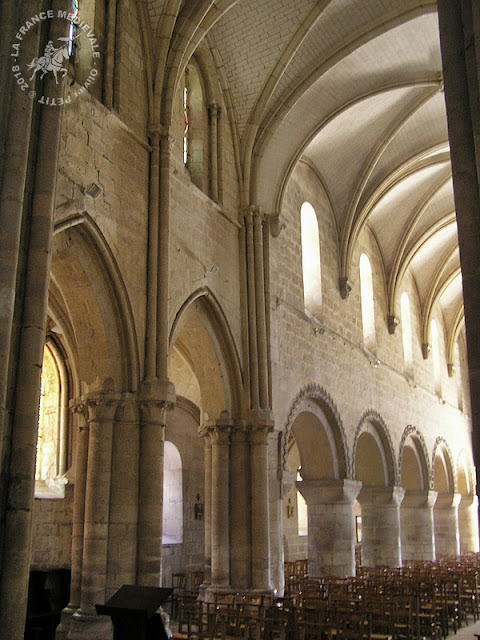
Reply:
x=192 y=620
x=179 y=584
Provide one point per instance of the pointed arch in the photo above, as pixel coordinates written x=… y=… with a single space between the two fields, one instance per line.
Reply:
x=89 y=291
x=202 y=328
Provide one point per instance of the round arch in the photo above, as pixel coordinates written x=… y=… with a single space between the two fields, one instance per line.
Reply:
x=314 y=410
x=373 y=443
x=444 y=478
x=413 y=464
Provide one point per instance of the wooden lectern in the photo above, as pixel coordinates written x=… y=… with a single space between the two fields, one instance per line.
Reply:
x=132 y=610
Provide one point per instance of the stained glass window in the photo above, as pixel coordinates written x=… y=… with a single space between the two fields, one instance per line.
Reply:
x=72 y=32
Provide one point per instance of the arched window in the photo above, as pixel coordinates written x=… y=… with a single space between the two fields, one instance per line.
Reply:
x=72 y=31
x=368 y=307
x=312 y=278
x=406 y=332
x=302 y=512
x=51 y=459
x=458 y=375
x=172 y=495
x=202 y=127
x=436 y=356
x=195 y=132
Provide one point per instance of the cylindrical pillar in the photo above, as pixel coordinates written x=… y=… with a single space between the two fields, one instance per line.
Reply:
x=261 y=325
x=213 y=111
x=78 y=525
x=252 y=312
x=331 y=531
x=208 y=508
x=101 y=412
x=468 y=524
x=26 y=218
x=240 y=514
x=261 y=579
x=122 y=538
x=381 y=525
x=416 y=525
x=150 y=509
x=447 y=540
x=220 y=435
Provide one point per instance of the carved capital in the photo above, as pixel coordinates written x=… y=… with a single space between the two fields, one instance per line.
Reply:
x=275 y=226
x=426 y=350
x=213 y=109
x=157 y=399
x=393 y=323
x=345 y=287
x=102 y=406
x=259 y=433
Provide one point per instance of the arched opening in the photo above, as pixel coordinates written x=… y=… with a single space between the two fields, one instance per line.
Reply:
x=367 y=302
x=468 y=507
x=378 y=500
x=201 y=365
x=416 y=512
x=195 y=129
x=312 y=463
x=172 y=530
x=311 y=266
x=437 y=379
x=407 y=333
x=51 y=459
x=447 y=537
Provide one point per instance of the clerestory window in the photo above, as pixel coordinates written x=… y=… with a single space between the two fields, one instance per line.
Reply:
x=312 y=277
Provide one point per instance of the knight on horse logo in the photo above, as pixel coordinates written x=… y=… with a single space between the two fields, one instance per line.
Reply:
x=52 y=59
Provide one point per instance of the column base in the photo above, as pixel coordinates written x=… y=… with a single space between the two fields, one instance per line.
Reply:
x=90 y=626
x=65 y=622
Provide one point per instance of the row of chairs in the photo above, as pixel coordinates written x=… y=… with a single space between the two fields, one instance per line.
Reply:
x=421 y=600
x=185 y=585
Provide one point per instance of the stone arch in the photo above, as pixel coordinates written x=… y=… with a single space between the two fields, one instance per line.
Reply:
x=373 y=439
x=468 y=505
x=201 y=334
x=443 y=468
x=89 y=304
x=314 y=399
x=413 y=459
x=465 y=475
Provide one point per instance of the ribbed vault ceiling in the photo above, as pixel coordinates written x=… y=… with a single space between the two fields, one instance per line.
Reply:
x=354 y=88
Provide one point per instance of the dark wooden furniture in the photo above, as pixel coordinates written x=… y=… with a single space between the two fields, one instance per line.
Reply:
x=133 y=612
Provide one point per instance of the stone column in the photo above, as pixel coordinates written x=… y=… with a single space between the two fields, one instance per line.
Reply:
x=80 y=470
x=331 y=531
x=208 y=507
x=156 y=401
x=468 y=524
x=122 y=540
x=261 y=579
x=213 y=113
x=240 y=514
x=26 y=222
x=416 y=525
x=220 y=438
x=446 y=524
x=101 y=407
x=381 y=526
x=459 y=24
